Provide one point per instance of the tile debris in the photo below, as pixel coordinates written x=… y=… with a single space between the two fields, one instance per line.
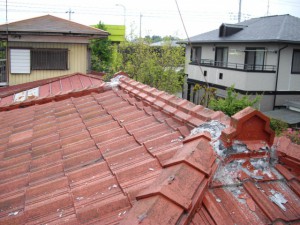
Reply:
x=214 y=127
x=278 y=199
x=13 y=213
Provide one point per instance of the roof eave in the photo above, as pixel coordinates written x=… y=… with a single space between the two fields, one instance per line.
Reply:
x=241 y=41
x=106 y=34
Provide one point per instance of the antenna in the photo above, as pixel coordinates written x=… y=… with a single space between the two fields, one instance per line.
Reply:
x=141 y=24
x=240 y=11
x=6 y=19
x=268 y=8
x=70 y=12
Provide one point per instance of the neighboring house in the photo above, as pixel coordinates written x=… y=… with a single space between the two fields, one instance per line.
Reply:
x=44 y=47
x=88 y=152
x=167 y=42
x=260 y=55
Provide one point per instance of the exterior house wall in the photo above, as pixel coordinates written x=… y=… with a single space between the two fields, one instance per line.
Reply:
x=246 y=80
x=242 y=80
x=77 y=57
x=286 y=80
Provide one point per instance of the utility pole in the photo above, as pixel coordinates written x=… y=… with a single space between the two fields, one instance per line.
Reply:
x=141 y=25
x=240 y=11
x=70 y=12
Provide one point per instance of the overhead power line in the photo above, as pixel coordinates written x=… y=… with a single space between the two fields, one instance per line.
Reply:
x=189 y=42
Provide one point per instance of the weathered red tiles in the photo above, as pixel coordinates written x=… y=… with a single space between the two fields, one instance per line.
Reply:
x=126 y=156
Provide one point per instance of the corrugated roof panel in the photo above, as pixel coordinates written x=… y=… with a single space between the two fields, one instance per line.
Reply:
x=55 y=88
x=66 y=85
x=85 y=81
x=44 y=90
x=76 y=83
x=6 y=100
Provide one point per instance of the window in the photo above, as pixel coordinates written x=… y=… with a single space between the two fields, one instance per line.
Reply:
x=220 y=76
x=20 y=61
x=196 y=55
x=221 y=56
x=205 y=73
x=49 y=59
x=254 y=59
x=296 y=61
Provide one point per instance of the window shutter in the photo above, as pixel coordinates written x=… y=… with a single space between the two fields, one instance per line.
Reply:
x=20 y=61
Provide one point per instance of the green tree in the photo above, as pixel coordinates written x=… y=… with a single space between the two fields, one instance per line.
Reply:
x=159 y=67
x=101 y=50
x=233 y=103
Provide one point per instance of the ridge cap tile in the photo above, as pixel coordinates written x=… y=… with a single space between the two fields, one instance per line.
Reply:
x=248 y=125
x=177 y=183
x=197 y=153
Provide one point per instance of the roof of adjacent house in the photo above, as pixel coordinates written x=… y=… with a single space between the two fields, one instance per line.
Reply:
x=126 y=153
x=49 y=24
x=162 y=43
x=279 y=28
x=51 y=87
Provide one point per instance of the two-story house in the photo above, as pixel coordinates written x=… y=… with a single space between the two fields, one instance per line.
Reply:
x=44 y=47
x=257 y=56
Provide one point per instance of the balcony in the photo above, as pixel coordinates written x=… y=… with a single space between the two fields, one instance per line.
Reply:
x=237 y=66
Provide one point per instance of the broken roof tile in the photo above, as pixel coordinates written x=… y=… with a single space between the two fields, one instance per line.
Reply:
x=265 y=196
x=227 y=207
x=93 y=154
x=249 y=125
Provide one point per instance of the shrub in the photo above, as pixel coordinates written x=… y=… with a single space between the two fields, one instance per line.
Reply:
x=233 y=103
x=294 y=135
x=278 y=126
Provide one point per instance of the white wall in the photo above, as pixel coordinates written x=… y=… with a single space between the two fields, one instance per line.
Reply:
x=248 y=81
x=286 y=80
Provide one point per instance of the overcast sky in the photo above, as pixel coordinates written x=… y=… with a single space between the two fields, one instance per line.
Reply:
x=159 y=17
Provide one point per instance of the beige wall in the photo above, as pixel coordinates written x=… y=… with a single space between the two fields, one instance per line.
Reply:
x=77 y=62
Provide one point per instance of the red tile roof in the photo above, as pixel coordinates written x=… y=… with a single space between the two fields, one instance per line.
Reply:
x=123 y=154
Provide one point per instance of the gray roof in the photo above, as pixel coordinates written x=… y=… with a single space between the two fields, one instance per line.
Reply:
x=162 y=43
x=282 y=28
x=49 y=24
x=286 y=115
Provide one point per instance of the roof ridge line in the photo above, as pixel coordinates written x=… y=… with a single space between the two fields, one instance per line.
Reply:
x=282 y=27
x=181 y=109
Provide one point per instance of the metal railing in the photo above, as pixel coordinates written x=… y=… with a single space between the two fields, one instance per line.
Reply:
x=237 y=66
x=3 y=77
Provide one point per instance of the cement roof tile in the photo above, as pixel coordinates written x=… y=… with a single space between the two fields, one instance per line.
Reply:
x=127 y=146
x=153 y=210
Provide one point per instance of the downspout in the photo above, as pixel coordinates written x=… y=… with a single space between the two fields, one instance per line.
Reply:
x=277 y=74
